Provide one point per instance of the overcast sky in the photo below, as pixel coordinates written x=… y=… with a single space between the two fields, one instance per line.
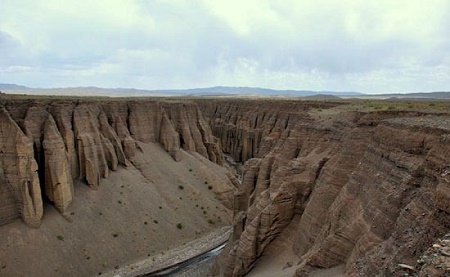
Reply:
x=343 y=45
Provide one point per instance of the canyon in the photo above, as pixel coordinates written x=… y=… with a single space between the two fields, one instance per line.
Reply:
x=356 y=185
x=363 y=188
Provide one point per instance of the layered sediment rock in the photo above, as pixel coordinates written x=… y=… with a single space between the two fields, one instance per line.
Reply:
x=21 y=192
x=370 y=188
x=58 y=177
x=45 y=144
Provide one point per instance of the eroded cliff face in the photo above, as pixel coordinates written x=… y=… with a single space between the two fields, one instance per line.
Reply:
x=371 y=188
x=46 y=144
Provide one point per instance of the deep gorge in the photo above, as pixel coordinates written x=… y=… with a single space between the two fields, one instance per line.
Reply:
x=370 y=188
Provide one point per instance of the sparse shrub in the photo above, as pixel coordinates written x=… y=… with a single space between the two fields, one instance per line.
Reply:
x=160 y=207
x=115 y=235
x=72 y=213
x=432 y=104
x=181 y=187
x=211 y=221
x=288 y=264
x=120 y=202
x=391 y=107
x=180 y=226
x=206 y=182
x=100 y=213
x=190 y=169
x=204 y=212
x=210 y=187
x=116 y=267
x=145 y=222
x=61 y=238
x=155 y=221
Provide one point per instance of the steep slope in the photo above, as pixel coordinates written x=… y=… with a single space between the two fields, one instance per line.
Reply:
x=54 y=142
x=105 y=183
x=133 y=215
x=370 y=188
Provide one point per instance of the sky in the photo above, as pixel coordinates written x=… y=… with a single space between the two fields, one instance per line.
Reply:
x=370 y=46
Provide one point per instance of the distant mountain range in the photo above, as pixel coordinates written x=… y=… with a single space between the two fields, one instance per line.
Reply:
x=255 y=91
x=212 y=91
x=12 y=87
x=424 y=95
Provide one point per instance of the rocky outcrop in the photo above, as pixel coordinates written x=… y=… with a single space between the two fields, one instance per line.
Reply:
x=370 y=188
x=58 y=177
x=21 y=193
x=170 y=138
x=46 y=144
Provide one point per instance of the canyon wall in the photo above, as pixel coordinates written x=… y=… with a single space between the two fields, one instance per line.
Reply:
x=46 y=144
x=371 y=188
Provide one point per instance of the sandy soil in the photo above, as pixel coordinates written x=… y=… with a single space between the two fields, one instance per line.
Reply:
x=280 y=260
x=133 y=215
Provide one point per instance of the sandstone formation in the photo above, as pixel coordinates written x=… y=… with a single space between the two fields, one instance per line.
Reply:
x=20 y=188
x=368 y=189
x=371 y=188
x=58 y=177
x=46 y=144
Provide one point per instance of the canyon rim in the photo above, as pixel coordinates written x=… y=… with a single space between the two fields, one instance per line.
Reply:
x=88 y=186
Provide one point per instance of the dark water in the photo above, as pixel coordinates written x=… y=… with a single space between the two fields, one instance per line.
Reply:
x=196 y=266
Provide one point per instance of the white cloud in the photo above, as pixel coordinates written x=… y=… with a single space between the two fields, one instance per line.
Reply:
x=372 y=46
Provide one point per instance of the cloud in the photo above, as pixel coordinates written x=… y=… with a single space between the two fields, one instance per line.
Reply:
x=369 y=46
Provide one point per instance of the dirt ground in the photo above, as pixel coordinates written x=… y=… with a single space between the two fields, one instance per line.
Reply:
x=148 y=208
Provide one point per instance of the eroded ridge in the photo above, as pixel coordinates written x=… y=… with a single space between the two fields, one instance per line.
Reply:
x=46 y=144
x=370 y=187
